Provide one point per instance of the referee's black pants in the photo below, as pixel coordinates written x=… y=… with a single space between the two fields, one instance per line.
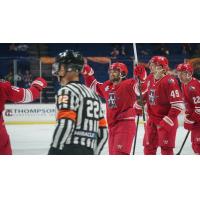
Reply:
x=71 y=149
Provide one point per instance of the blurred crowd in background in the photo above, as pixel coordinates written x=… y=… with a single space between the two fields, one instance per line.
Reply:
x=20 y=63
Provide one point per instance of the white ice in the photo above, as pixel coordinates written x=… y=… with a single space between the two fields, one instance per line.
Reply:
x=35 y=140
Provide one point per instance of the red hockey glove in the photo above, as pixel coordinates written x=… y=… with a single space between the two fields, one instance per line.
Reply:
x=196 y=115
x=39 y=83
x=87 y=71
x=138 y=112
x=166 y=123
x=140 y=72
x=188 y=124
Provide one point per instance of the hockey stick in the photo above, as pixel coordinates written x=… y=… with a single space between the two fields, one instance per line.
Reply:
x=138 y=118
x=139 y=83
x=141 y=99
x=183 y=143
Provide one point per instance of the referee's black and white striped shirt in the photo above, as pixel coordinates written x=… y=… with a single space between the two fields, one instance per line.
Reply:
x=80 y=118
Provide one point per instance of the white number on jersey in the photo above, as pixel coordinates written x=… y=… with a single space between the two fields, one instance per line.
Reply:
x=92 y=109
x=196 y=99
x=174 y=93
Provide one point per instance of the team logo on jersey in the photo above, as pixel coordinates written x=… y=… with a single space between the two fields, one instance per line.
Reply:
x=152 y=97
x=119 y=146
x=165 y=141
x=106 y=88
x=112 y=100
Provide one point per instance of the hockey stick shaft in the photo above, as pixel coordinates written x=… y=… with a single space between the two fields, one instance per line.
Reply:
x=183 y=143
x=139 y=82
x=135 y=53
x=138 y=118
x=141 y=99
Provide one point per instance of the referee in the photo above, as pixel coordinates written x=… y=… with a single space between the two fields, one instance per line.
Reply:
x=81 y=127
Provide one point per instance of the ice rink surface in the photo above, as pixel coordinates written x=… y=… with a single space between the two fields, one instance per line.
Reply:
x=35 y=140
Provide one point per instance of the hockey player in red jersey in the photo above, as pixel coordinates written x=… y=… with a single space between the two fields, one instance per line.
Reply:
x=164 y=103
x=16 y=95
x=191 y=92
x=120 y=95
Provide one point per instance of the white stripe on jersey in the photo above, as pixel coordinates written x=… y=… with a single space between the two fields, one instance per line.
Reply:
x=102 y=142
x=168 y=121
x=28 y=97
x=88 y=142
x=83 y=139
x=69 y=130
x=91 y=125
x=197 y=111
x=79 y=96
x=177 y=105
x=75 y=89
x=188 y=121
x=93 y=86
x=86 y=91
x=58 y=133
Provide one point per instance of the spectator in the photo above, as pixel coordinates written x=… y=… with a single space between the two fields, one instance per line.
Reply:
x=27 y=79
x=114 y=53
x=18 y=78
x=123 y=51
x=161 y=49
x=186 y=49
x=19 y=50
x=196 y=51
x=10 y=77
x=19 y=47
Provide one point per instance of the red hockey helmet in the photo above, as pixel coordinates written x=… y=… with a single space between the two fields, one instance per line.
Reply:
x=153 y=59
x=160 y=60
x=121 y=67
x=185 y=67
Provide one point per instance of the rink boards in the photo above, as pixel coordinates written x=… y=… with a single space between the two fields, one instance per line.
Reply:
x=38 y=114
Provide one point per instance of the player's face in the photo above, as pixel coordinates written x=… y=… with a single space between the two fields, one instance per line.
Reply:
x=184 y=76
x=152 y=67
x=114 y=75
x=158 y=72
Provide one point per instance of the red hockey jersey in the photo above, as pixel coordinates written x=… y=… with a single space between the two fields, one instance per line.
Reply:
x=163 y=98
x=119 y=98
x=15 y=94
x=191 y=93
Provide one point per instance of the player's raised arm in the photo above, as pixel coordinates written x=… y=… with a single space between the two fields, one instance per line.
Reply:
x=140 y=87
x=21 y=95
x=90 y=80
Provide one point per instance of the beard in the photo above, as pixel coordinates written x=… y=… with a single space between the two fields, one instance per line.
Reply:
x=115 y=79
